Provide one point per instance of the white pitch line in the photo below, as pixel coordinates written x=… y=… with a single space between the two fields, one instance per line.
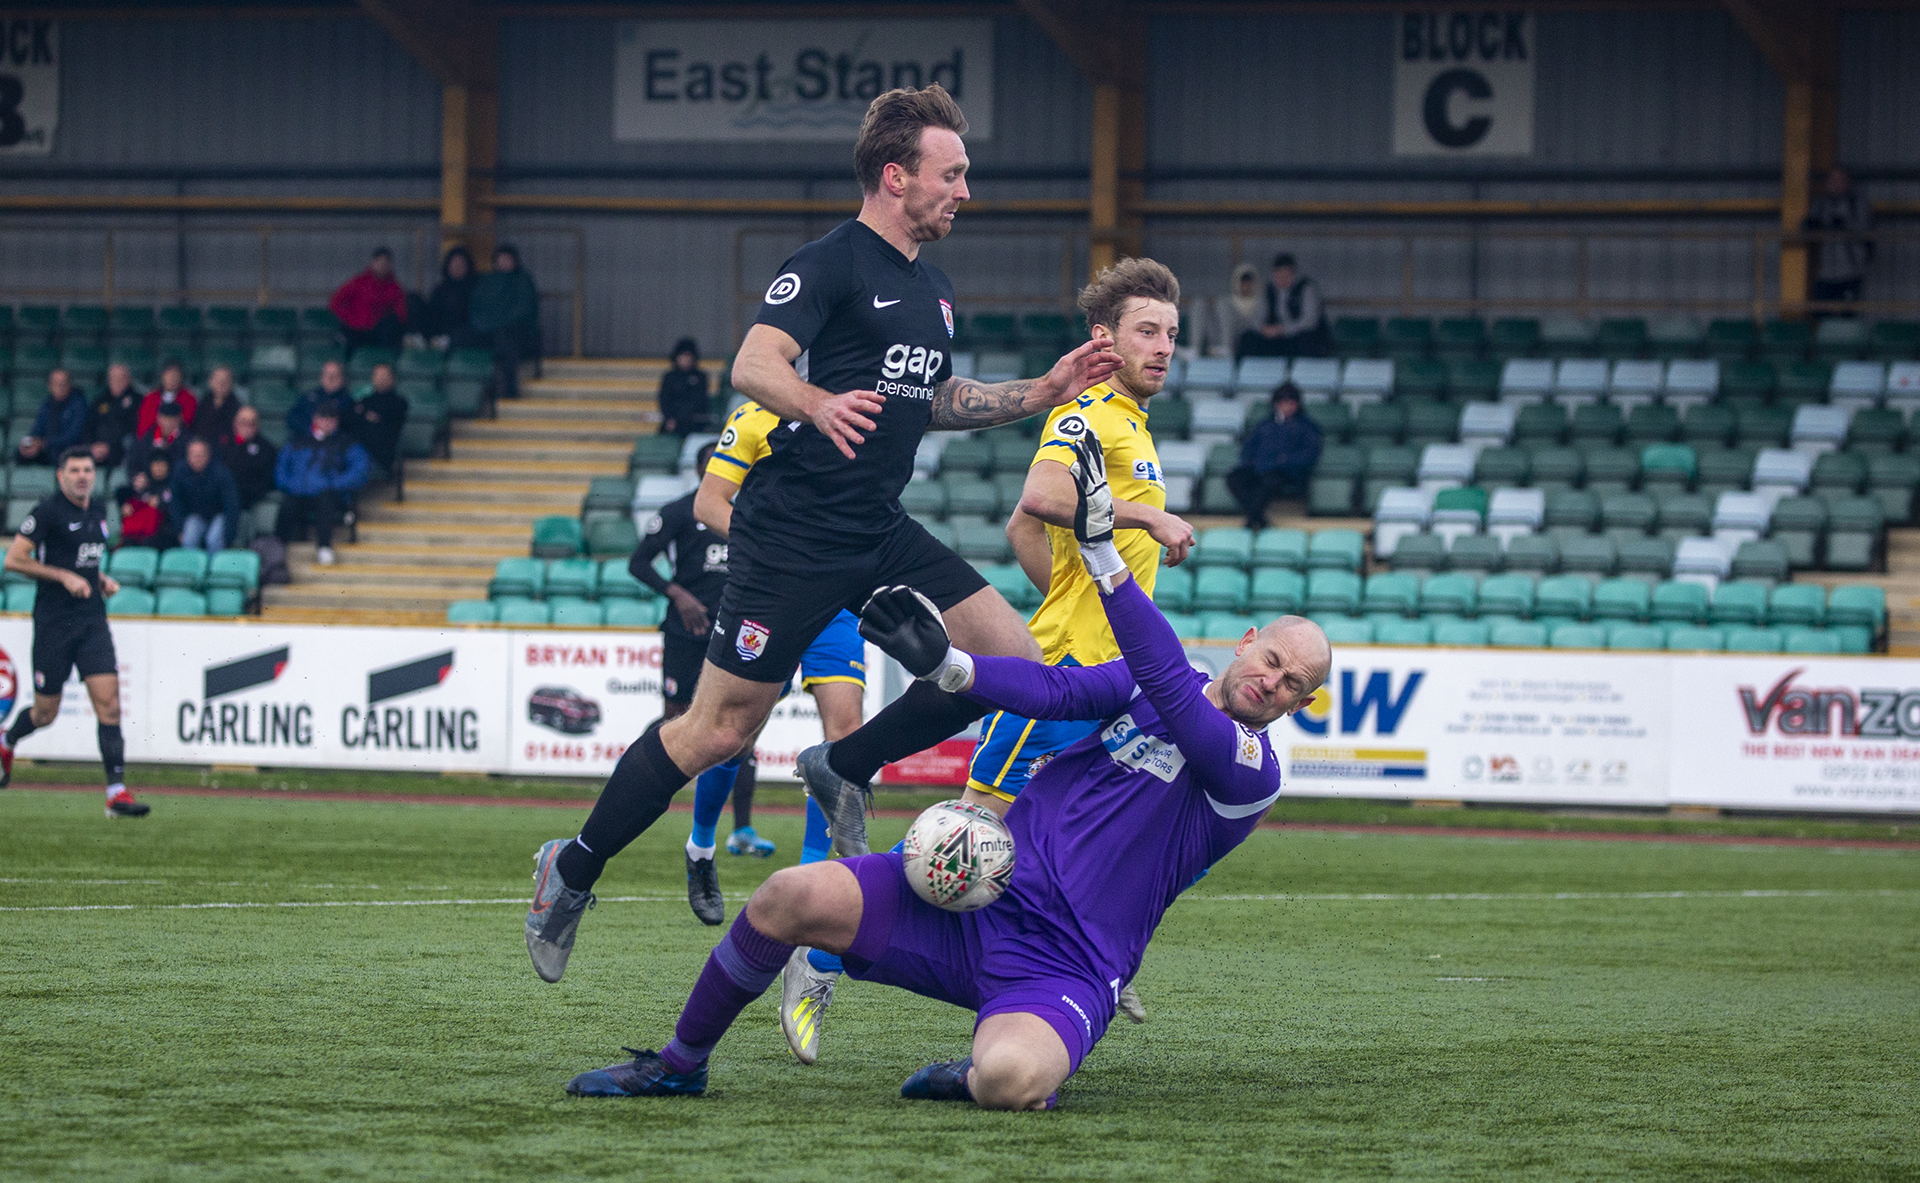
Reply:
x=1331 y=897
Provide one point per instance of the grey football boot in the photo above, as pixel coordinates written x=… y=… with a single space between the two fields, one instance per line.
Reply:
x=1130 y=1004
x=555 y=914
x=805 y=995
x=843 y=802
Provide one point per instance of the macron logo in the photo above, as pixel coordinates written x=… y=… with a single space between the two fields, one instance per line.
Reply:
x=879 y=303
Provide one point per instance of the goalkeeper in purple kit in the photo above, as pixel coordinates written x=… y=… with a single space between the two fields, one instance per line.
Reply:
x=1106 y=836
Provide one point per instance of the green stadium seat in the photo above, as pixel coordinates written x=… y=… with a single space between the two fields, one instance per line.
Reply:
x=1506 y=595
x=611 y=493
x=1888 y=340
x=1803 y=382
x=1518 y=635
x=1332 y=417
x=517 y=579
x=1628 y=515
x=572 y=612
x=1387 y=468
x=924 y=498
x=628 y=613
x=1336 y=481
x=134 y=566
x=1013 y=585
x=1801 y=604
x=1226 y=626
x=1391 y=592
x=1459 y=337
x=1377 y=425
x=180 y=601
x=1864 y=605
x=1668 y=466
x=1891 y=481
x=1731 y=339
x=1785 y=340
x=1513 y=336
x=1223 y=546
x=1682 y=602
x=1449 y=595
x=225 y=601
x=1556 y=469
x=1621 y=337
x=1278 y=591
x=1473 y=380
x=612 y=538
x=1764 y=561
x=1811 y=640
x=1684 y=515
x=1540 y=424
x=1652 y=423
x=1536 y=554
x=1461 y=633
x=1346 y=630
x=1612 y=470
x=618 y=583
x=1220 y=589
x=1280 y=548
x=1636 y=636
x=1754 y=640
x=1839 y=474
x=1739 y=601
x=472 y=612
x=1622 y=599
x=1185 y=625
x=1356 y=336
x=1597 y=423
x=1330 y=590
x=1501 y=468
x=1403 y=632
x=514 y=610
x=655 y=454
x=980 y=541
x=1572 y=511
x=1406 y=336
x=1763 y=427
x=1563 y=595
x=967 y=455
x=557 y=538
x=1419 y=378
x=1854 y=527
x=182 y=567
x=1578 y=636
x=971 y=496
x=1342 y=550
x=131 y=601
x=1694 y=638
x=237 y=570
x=1420 y=552
x=576 y=578
x=1432 y=422
x=1173 y=589
x=1172 y=418
x=20 y=596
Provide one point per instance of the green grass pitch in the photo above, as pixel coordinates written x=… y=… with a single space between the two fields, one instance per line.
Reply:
x=1575 y=1010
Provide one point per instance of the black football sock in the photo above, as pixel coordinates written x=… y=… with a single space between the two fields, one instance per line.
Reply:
x=914 y=722
x=113 y=753
x=23 y=726
x=637 y=793
x=743 y=785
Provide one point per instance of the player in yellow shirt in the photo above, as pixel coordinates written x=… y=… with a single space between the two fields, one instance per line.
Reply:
x=1135 y=302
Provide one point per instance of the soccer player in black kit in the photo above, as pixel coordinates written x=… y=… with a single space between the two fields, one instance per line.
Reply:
x=63 y=544
x=820 y=525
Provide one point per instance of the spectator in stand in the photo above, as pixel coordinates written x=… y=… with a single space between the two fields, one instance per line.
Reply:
x=1843 y=213
x=504 y=315
x=319 y=473
x=205 y=506
x=1294 y=321
x=145 y=505
x=172 y=390
x=376 y=419
x=60 y=424
x=1278 y=458
x=249 y=458
x=113 y=418
x=213 y=419
x=1232 y=316
x=446 y=315
x=371 y=307
x=332 y=389
x=684 y=404
x=166 y=439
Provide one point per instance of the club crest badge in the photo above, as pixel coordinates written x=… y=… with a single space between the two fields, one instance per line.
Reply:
x=946 y=314
x=751 y=641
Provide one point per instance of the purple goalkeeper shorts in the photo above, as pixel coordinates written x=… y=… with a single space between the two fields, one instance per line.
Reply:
x=977 y=960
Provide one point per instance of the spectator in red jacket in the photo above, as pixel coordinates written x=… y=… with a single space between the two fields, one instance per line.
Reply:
x=371 y=307
x=172 y=391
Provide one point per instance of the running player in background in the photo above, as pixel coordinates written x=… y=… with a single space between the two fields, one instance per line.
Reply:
x=63 y=544
x=1108 y=835
x=834 y=670
x=821 y=526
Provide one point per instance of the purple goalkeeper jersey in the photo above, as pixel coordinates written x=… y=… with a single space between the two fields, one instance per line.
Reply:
x=1114 y=828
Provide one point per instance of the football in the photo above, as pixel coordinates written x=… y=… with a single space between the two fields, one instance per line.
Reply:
x=959 y=856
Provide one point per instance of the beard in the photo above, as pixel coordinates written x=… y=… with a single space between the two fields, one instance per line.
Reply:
x=926 y=218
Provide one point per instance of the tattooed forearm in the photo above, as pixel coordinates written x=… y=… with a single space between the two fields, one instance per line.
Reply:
x=961 y=404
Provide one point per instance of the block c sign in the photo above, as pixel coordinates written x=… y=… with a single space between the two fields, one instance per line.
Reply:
x=1463 y=83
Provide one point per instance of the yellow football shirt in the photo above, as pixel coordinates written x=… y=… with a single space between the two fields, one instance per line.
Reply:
x=743 y=443
x=1070 y=621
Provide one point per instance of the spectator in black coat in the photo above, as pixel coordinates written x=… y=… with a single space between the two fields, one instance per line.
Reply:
x=167 y=439
x=1277 y=458
x=214 y=420
x=60 y=424
x=112 y=418
x=204 y=510
x=249 y=458
x=445 y=319
x=1294 y=323
x=503 y=313
x=376 y=419
x=332 y=389
x=684 y=404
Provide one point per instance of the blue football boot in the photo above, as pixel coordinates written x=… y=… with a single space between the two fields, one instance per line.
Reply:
x=942 y=1081
x=646 y=1075
x=745 y=841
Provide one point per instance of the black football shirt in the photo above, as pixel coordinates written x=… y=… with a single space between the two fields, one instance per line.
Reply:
x=868 y=318
x=72 y=539
x=698 y=555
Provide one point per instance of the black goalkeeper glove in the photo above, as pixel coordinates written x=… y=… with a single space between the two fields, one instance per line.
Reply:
x=907 y=627
x=1093 y=513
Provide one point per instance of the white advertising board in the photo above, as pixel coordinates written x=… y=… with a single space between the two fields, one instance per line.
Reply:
x=1481 y=726
x=1798 y=733
x=707 y=81
x=73 y=736
x=1463 y=83
x=29 y=83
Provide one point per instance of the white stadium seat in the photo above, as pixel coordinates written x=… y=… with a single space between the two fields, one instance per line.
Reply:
x=1513 y=512
x=1579 y=380
x=1633 y=384
x=1818 y=429
x=1259 y=375
x=1741 y=517
x=1858 y=383
x=1690 y=382
x=1525 y=380
x=1487 y=425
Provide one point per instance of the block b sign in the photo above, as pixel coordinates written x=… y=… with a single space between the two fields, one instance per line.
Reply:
x=29 y=84
x=1463 y=83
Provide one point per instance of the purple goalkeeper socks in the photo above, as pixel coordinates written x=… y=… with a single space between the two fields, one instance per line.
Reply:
x=739 y=970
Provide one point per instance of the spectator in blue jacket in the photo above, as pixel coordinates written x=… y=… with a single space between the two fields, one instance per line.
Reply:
x=61 y=423
x=205 y=508
x=319 y=473
x=1277 y=459
x=332 y=388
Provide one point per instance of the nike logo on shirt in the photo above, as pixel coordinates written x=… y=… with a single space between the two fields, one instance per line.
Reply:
x=879 y=303
x=73 y=525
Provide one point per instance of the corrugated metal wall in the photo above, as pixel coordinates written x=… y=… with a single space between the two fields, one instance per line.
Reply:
x=1628 y=104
